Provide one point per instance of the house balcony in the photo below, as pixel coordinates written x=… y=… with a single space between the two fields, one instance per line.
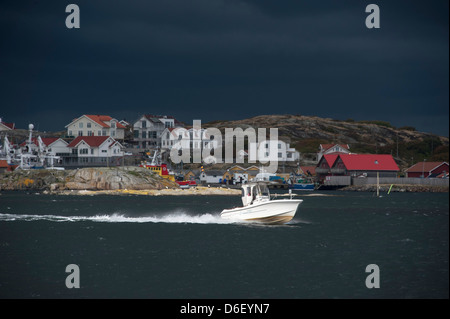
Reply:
x=340 y=171
x=322 y=170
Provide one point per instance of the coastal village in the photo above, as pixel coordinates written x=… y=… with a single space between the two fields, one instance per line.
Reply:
x=99 y=141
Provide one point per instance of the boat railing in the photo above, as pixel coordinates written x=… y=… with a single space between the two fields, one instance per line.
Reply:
x=290 y=194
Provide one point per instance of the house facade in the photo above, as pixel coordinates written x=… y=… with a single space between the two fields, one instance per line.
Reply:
x=189 y=139
x=148 y=129
x=283 y=151
x=427 y=169
x=96 y=125
x=94 y=151
x=211 y=176
x=356 y=165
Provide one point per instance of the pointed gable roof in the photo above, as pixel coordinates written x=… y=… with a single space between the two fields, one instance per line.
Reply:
x=424 y=167
x=46 y=140
x=8 y=126
x=330 y=158
x=99 y=119
x=92 y=141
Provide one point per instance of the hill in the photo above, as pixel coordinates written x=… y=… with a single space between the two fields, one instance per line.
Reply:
x=305 y=133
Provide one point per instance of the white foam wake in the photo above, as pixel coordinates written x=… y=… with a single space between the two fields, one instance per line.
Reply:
x=119 y=218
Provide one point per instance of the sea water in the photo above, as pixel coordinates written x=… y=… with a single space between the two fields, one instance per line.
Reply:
x=131 y=246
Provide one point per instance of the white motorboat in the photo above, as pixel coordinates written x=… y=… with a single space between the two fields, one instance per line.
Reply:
x=259 y=207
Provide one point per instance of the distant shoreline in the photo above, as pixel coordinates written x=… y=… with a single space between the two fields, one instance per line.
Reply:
x=200 y=190
x=397 y=188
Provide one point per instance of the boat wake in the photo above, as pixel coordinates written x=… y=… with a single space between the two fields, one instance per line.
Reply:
x=181 y=218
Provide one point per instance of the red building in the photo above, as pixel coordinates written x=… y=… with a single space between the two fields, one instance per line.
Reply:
x=364 y=165
x=427 y=169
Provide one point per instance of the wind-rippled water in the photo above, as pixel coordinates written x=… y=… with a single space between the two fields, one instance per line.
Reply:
x=178 y=247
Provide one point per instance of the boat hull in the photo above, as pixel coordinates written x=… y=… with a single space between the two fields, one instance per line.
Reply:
x=303 y=187
x=269 y=212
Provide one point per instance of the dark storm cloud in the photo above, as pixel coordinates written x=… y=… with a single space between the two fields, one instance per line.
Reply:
x=214 y=59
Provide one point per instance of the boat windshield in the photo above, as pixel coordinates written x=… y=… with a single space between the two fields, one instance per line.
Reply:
x=263 y=190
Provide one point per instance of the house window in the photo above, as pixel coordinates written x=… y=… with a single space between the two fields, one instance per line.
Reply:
x=113 y=133
x=289 y=155
x=144 y=124
x=113 y=124
x=90 y=133
x=280 y=155
x=80 y=133
x=104 y=132
x=92 y=151
x=144 y=134
x=84 y=151
x=70 y=133
x=104 y=151
x=136 y=133
x=80 y=125
x=168 y=135
x=279 y=146
x=267 y=145
x=88 y=125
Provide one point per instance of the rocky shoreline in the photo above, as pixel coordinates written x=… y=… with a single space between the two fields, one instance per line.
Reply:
x=384 y=188
x=99 y=178
x=101 y=181
x=200 y=190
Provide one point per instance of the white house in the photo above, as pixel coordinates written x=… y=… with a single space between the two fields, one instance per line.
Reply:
x=282 y=151
x=58 y=146
x=212 y=176
x=332 y=149
x=96 y=125
x=148 y=130
x=53 y=145
x=192 y=139
x=95 y=146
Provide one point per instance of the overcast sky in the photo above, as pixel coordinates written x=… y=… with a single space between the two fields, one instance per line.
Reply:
x=224 y=60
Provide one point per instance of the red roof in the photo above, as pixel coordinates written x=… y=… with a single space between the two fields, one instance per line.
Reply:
x=424 y=167
x=3 y=163
x=101 y=119
x=311 y=169
x=369 y=162
x=9 y=125
x=92 y=141
x=46 y=140
x=330 y=158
